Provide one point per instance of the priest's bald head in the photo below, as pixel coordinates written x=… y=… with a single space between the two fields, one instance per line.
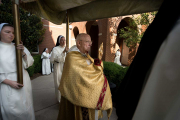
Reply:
x=83 y=42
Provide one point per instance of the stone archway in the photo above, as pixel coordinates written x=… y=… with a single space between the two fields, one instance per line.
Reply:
x=127 y=54
x=93 y=30
x=120 y=41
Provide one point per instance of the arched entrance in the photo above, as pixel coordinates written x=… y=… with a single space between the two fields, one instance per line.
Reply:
x=127 y=54
x=93 y=30
x=75 y=31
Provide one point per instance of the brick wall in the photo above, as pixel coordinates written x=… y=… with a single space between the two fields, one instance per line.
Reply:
x=107 y=33
x=84 y=27
x=80 y=26
x=103 y=35
x=111 y=44
x=51 y=34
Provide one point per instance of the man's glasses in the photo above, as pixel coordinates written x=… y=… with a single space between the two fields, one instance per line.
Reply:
x=90 y=42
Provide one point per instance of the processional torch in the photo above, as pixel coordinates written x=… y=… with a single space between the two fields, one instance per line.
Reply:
x=67 y=29
x=17 y=40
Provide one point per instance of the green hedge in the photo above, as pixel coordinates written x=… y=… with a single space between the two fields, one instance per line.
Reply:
x=114 y=72
x=36 y=67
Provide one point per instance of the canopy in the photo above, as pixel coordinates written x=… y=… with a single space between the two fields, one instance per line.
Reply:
x=86 y=10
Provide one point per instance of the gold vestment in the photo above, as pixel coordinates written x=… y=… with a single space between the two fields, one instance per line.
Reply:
x=81 y=85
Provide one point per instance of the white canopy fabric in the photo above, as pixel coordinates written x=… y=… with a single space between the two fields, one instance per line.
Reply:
x=87 y=10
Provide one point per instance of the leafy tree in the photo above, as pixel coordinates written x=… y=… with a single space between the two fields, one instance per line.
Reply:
x=31 y=26
x=132 y=34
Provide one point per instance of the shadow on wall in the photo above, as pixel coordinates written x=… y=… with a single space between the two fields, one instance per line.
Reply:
x=75 y=31
x=48 y=37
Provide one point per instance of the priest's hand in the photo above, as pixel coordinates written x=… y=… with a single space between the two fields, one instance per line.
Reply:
x=66 y=49
x=13 y=84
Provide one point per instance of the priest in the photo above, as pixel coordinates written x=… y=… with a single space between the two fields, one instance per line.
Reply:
x=84 y=88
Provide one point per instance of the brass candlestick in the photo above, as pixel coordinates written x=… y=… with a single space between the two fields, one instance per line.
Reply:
x=17 y=41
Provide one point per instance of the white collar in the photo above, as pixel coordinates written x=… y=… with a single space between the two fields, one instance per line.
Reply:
x=74 y=48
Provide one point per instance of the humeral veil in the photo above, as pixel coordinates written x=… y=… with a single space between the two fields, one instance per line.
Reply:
x=83 y=85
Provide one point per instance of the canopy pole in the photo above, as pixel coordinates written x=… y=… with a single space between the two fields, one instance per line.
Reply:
x=67 y=29
x=17 y=40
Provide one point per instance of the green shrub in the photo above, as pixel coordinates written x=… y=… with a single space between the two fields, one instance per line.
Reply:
x=30 y=70
x=114 y=72
x=37 y=64
x=31 y=26
x=36 y=67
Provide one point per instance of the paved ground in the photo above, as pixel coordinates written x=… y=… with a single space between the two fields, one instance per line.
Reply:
x=45 y=104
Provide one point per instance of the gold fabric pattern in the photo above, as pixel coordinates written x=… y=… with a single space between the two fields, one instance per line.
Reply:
x=81 y=84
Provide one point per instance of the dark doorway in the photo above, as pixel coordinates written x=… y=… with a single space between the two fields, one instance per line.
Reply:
x=119 y=40
x=94 y=31
x=127 y=54
x=75 y=31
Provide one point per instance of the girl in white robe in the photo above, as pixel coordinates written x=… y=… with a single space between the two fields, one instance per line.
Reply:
x=15 y=103
x=46 y=68
x=117 y=58
x=58 y=59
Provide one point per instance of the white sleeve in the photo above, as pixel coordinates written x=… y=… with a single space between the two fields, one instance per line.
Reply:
x=50 y=55
x=55 y=57
x=118 y=53
x=29 y=61
x=2 y=77
x=45 y=55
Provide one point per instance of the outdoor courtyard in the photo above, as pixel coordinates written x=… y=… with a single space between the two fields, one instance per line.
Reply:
x=46 y=106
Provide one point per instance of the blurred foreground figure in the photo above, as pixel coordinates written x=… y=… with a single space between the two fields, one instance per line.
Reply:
x=150 y=89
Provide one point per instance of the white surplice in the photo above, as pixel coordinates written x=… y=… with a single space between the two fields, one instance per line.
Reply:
x=51 y=63
x=117 y=58
x=16 y=104
x=160 y=98
x=58 y=59
x=46 y=66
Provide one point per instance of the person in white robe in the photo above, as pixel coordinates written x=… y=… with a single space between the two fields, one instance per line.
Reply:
x=58 y=59
x=52 y=65
x=117 y=57
x=46 y=67
x=16 y=101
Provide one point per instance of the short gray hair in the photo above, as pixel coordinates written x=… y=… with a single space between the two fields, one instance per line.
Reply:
x=81 y=35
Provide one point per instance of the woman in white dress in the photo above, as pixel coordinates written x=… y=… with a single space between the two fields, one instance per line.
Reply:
x=58 y=58
x=117 y=57
x=15 y=99
x=46 y=68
